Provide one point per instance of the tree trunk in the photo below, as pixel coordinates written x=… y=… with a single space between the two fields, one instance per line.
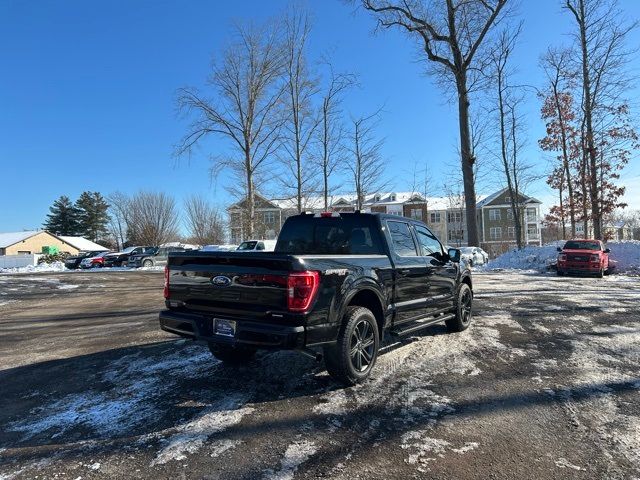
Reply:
x=467 y=161
x=250 y=197
x=567 y=171
x=588 y=113
x=325 y=155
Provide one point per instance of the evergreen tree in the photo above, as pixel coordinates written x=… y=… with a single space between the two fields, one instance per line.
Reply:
x=63 y=217
x=93 y=216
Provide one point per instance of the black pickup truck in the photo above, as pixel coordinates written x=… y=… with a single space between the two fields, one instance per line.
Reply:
x=336 y=283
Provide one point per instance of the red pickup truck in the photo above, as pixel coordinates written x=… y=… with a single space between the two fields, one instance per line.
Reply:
x=583 y=256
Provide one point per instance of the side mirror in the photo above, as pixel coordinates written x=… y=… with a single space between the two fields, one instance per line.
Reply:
x=454 y=255
x=559 y=249
x=607 y=250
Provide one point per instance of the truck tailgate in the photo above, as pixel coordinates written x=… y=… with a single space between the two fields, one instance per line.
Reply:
x=228 y=283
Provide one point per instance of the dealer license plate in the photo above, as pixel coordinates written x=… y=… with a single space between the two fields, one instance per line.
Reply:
x=224 y=327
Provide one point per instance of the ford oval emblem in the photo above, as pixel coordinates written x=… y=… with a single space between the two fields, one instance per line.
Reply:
x=221 y=281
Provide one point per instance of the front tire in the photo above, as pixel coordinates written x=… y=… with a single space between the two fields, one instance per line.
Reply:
x=232 y=355
x=147 y=263
x=464 y=301
x=600 y=273
x=351 y=359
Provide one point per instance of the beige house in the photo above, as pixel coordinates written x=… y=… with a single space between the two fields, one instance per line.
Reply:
x=26 y=243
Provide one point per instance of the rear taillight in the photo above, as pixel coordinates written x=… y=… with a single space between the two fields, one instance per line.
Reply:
x=302 y=288
x=166 y=282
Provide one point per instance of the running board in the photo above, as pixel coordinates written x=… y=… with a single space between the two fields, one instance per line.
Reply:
x=400 y=332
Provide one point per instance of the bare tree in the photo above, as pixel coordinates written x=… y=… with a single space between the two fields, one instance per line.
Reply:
x=248 y=88
x=119 y=213
x=153 y=218
x=452 y=34
x=600 y=37
x=331 y=133
x=301 y=117
x=366 y=165
x=203 y=221
x=508 y=102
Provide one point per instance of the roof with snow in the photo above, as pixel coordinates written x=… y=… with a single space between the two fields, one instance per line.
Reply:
x=82 y=243
x=487 y=200
x=8 y=239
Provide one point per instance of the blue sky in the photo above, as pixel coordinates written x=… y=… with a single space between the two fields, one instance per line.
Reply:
x=87 y=94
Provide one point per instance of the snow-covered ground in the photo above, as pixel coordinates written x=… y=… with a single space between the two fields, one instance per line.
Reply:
x=625 y=254
x=59 y=267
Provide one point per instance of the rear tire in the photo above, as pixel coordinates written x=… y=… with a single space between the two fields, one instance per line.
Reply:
x=464 y=302
x=147 y=263
x=232 y=355
x=351 y=359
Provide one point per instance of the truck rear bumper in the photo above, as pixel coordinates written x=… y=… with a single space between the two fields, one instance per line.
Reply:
x=260 y=335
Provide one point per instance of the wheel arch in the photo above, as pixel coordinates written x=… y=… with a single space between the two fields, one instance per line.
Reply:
x=370 y=299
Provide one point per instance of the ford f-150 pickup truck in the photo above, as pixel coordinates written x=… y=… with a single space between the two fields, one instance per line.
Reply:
x=583 y=256
x=336 y=284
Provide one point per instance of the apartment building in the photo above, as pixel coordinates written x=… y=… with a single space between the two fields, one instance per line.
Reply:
x=444 y=215
x=497 y=226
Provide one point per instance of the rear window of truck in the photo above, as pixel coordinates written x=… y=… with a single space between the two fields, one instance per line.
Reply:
x=343 y=235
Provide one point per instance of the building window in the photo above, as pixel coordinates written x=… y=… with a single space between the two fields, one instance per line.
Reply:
x=416 y=213
x=454 y=217
x=580 y=228
x=269 y=218
x=393 y=197
x=510 y=214
x=376 y=198
x=454 y=235
x=494 y=214
x=495 y=233
x=507 y=199
x=532 y=230
x=532 y=214
x=511 y=232
x=434 y=217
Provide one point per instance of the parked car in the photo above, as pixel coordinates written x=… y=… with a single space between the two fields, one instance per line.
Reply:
x=583 y=256
x=474 y=256
x=153 y=258
x=73 y=262
x=336 y=283
x=95 y=261
x=257 y=246
x=120 y=259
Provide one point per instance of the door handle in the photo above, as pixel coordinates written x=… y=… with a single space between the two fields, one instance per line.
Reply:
x=405 y=271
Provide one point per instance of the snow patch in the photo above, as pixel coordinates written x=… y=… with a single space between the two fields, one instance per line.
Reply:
x=468 y=446
x=129 y=404
x=190 y=437
x=296 y=454
x=564 y=463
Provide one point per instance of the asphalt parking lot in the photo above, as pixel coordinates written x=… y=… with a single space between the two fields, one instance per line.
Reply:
x=543 y=385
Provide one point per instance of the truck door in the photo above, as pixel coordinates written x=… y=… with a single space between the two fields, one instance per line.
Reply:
x=440 y=270
x=410 y=272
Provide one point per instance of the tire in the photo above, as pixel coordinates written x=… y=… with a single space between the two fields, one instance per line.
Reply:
x=232 y=355
x=147 y=263
x=351 y=359
x=464 y=302
x=600 y=273
x=560 y=273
